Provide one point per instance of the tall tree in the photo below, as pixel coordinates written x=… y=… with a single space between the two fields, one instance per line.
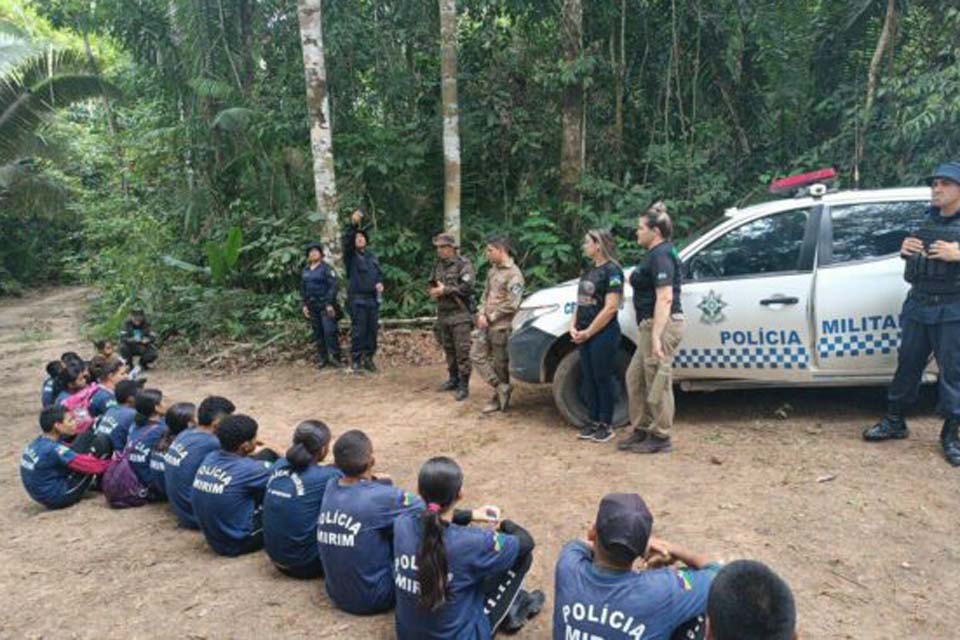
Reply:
x=451 y=117
x=883 y=42
x=321 y=138
x=573 y=150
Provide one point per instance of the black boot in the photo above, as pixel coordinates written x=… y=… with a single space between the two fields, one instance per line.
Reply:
x=892 y=427
x=950 y=440
x=463 y=389
x=452 y=383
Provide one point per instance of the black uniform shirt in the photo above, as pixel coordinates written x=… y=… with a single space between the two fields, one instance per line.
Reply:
x=660 y=268
x=922 y=309
x=595 y=284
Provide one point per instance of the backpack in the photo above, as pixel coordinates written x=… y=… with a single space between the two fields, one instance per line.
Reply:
x=120 y=484
x=78 y=405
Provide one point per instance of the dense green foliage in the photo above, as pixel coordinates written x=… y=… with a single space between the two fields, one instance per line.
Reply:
x=198 y=207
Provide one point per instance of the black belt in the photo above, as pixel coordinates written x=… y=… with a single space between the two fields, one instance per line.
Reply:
x=931 y=299
x=363 y=295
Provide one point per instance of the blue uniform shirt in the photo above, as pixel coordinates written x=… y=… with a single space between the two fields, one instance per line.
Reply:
x=226 y=492
x=156 y=485
x=61 y=397
x=355 y=532
x=181 y=461
x=291 y=507
x=43 y=470
x=115 y=424
x=102 y=400
x=319 y=285
x=139 y=444
x=473 y=554
x=916 y=310
x=592 y=602
x=46 y=394
x=363 y=269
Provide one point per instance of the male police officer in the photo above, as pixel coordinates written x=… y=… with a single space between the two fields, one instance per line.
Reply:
x=318 y=288
x=363 y=294
x=499 y=303
x=931 y=316
x=451 y=285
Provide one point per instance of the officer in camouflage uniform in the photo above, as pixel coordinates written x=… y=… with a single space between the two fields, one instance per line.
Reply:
x=451 y=285
x=499 y=303
x=930 y=322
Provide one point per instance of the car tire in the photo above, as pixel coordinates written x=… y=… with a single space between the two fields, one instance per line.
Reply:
x=567 y=390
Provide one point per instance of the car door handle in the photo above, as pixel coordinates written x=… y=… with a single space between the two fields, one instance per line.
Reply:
x=779 y=300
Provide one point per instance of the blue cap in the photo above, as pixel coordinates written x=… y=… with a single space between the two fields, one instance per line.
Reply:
x=947 y=171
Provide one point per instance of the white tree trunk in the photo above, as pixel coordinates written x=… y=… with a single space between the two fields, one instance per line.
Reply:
x=451 y=117
x=321 y=139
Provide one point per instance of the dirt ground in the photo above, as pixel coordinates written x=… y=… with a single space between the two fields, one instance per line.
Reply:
x=865 y=534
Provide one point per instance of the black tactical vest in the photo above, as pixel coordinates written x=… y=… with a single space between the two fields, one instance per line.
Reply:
x=936 y=277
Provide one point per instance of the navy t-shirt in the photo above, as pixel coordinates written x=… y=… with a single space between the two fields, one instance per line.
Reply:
x=158 y=489
x=62 y=397
x=593 y=602
x=355 y=533
x=46 y=394
x=102 y=400
x=660 y=268
x=181 y=461
x=115 y=424
x=291 y=507
x=226 y=492
x=592 y=292
x=43 y=470
x=473 y=554
x=139 y=444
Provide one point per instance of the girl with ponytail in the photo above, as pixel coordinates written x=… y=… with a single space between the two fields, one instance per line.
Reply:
x=446 y=572
x=291 y=505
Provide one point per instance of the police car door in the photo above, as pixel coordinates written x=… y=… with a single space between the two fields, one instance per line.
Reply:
x=746 y=297
x=860 y=288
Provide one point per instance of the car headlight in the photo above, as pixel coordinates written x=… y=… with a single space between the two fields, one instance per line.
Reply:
x=526 y=315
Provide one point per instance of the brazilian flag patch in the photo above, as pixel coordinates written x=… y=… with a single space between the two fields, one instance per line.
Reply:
x=408 y=499
x=683 y=577
x=498 y=542
x=616 y=281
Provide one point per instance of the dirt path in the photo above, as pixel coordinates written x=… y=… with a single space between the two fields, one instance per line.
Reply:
x=872 y=553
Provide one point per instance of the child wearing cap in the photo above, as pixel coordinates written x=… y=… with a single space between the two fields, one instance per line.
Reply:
x=599 y=595
x=355 y=529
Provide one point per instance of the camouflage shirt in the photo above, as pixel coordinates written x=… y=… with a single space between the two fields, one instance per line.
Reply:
x=502 y=294
x=457 y=276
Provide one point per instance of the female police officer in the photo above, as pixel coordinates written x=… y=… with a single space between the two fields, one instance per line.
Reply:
x=597 y=332
x=318 y=288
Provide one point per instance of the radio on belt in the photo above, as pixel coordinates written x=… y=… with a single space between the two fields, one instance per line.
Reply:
x=813 y=183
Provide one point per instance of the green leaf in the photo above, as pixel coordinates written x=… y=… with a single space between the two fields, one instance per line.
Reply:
x=231 y=248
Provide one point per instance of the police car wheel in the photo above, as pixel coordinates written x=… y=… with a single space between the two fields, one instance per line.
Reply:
x=568 y=390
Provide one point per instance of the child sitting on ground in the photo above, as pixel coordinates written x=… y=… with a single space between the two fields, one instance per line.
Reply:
x=148 y=428
x=54 y=367
x=115 y=423
x=178 y=418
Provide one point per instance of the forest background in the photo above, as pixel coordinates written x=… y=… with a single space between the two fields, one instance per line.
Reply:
x=160 y=150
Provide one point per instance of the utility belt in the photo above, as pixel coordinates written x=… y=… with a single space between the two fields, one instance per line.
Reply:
x=929 y=299
x=931 y=276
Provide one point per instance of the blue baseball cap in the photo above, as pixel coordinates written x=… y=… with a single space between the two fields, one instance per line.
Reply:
x=947 y=171
x=623 y=519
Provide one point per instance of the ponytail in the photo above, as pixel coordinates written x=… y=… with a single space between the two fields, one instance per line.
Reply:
x=439 y=485
x=179 y=417
x=146 y=405
x=309 y=440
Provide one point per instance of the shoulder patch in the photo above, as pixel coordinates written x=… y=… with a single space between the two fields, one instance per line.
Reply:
x=63 y=449
x=683 y=577
x=498 y=542
x=616 y=280
x=466 y=277
x=407 y=498
x=516 y=289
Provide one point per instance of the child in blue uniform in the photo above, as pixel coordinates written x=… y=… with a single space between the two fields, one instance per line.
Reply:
x=115 y=423
x=599 y=595
x=291 y=505
x=228 y=490
x=107 y=374
x=186 y=454
x=53 y=371
x=452 y=580
x=355 y=529
x=57 y=475
x=72 y=378
x=178 y=418
x=148 y=428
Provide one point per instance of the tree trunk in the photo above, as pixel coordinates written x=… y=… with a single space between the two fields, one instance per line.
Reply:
x=571 y=156
x=451 y=117
x=889 y=24
x=321 y=139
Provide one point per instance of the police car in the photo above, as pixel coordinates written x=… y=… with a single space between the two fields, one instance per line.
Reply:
x=804 y=291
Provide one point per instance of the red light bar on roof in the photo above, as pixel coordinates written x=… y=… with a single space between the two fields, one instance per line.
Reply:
x=791 y=184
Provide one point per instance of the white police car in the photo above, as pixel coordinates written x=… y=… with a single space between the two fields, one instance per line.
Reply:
x=795 y=292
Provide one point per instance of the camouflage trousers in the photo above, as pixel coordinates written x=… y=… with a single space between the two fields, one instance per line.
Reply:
x=489 y=355
x=453 y=334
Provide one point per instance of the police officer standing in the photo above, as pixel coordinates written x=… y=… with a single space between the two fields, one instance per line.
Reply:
x=930 y=321
x=318 y=288
x=364 y=292
x=451 y=285
x=500 y=301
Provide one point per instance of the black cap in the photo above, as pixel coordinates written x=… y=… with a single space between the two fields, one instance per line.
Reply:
x=948 y=171
x=624 y=519
x=313 y=245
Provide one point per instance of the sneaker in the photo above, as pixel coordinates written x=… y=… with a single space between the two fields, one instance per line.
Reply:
x=603 y=433
x=652 y=444
x=636 y=437
x=892 y=427
x=586 y=431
